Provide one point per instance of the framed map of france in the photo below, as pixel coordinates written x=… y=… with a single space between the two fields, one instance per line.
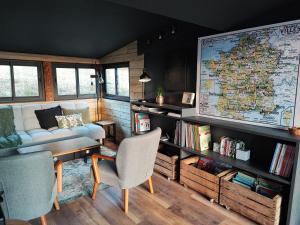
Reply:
x=251 y=75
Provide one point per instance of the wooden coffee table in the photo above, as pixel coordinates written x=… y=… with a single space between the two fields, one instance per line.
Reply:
x=62 y=147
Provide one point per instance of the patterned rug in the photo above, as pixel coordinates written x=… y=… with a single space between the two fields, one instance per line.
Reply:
x=77 y=178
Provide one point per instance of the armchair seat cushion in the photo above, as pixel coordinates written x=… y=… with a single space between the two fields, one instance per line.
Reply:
x=108 y=172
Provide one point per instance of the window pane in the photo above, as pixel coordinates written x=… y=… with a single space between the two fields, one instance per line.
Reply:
x=85 y=80
x=123 y=81
x=110 y=81
x=5 y=82
x=26 y=81
x=66 y=81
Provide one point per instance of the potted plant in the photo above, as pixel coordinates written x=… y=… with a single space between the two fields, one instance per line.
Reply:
x=160 y=96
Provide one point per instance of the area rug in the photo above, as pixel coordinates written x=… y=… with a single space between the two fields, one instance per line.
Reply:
x=77 y=178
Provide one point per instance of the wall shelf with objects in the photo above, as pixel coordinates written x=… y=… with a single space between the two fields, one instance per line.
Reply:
x=167 y=117
x=262 y=143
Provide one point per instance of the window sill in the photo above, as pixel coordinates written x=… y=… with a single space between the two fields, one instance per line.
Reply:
x=117 y=98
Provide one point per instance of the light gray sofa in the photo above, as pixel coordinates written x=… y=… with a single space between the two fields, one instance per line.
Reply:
x=30 y=131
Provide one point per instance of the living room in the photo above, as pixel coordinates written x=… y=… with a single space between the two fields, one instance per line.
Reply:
x=149 y=112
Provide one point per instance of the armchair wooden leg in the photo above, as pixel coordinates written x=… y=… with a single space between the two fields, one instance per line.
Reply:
x=56 y=204
x=125 y=199
x=94 y=195
x=150 y=185
x=58 y=168
x=43 y=220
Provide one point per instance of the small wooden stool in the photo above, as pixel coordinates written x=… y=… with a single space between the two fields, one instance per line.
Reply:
x=109 y=124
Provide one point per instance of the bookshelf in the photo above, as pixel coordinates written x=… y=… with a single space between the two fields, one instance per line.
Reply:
x=260 y=140
x=166 y=122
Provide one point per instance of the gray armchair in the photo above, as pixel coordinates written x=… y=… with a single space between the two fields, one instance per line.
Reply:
x=29 y=185
x=132 y=166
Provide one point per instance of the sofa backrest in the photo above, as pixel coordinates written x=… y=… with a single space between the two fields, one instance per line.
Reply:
x=25 y=118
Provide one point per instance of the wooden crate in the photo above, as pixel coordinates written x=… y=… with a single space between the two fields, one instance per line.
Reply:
x=256 y=207
x=199 y=180
x=166 y=165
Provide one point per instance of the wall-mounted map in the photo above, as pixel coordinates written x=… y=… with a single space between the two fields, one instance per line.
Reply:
x=251 y=75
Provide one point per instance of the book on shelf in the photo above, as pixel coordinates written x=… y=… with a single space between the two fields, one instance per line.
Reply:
x=228 y=147
x=196 y=137
x=283 y=159
x=142 y=122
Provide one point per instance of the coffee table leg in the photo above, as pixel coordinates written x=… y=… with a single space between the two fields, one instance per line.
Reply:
x=58 y=168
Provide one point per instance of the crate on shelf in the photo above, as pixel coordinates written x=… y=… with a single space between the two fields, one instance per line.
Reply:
x=248 y=203
x=200 y=180
x=166 y=163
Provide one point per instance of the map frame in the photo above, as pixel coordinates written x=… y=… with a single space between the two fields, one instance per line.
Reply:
x=296 y=119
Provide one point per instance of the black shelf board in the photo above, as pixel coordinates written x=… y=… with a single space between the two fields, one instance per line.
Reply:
x=246 y=128
x=170 y=144
x=240 y=164
x=163 y=106
x=156 y=114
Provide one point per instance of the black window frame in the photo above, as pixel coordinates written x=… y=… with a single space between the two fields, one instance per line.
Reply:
x=116 y=96
x=14 y=98
x=76 y=66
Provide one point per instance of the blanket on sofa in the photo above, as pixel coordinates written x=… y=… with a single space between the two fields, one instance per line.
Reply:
x=8 y=135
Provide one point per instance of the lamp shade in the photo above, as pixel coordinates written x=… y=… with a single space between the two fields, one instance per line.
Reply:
x=144 y=78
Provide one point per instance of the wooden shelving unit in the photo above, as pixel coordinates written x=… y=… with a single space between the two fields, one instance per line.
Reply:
x=260 y=140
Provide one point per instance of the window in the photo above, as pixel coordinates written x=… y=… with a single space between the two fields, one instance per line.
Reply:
x=117 y=81
x=20 y=81
x=74 y=81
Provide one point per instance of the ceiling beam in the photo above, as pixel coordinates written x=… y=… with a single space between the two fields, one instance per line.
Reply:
x=46 y=58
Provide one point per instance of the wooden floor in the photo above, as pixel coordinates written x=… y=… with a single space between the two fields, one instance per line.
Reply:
x=170 y=204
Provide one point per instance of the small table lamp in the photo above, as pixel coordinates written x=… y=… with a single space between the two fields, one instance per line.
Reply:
x=144 y=78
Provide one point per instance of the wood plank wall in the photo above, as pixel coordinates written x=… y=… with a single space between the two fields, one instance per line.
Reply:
x=119 y=111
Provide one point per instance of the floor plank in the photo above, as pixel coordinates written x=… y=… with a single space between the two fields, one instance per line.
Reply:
x=171 y=204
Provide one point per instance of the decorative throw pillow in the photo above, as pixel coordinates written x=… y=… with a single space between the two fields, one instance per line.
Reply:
x=46 y=117
x=69 y=121
x=85 y=112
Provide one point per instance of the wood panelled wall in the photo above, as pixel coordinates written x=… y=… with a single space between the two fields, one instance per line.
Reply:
x=48 y=81
x=119 y=111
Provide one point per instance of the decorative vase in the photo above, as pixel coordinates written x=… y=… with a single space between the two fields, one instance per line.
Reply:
x=160 y=99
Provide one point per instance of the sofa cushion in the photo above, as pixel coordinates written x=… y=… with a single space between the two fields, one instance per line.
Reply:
x=95 y=131
x=26 y=138
x=40 y=135
x=61 y=132
x=46 y=117
x=85 y=113
x=18 y=118
x=82 y=131
x=29 y=118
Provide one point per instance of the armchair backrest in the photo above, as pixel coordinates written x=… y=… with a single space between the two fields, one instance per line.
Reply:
x=28 y=182
x=136 y=157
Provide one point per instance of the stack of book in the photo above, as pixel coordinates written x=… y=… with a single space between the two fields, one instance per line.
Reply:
x=259 y=185
x=196 y=137
x=211 y=166
x=177 y=133
x=245 y=180
x=268 y=188
x=228 y=147
x=283 y=158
